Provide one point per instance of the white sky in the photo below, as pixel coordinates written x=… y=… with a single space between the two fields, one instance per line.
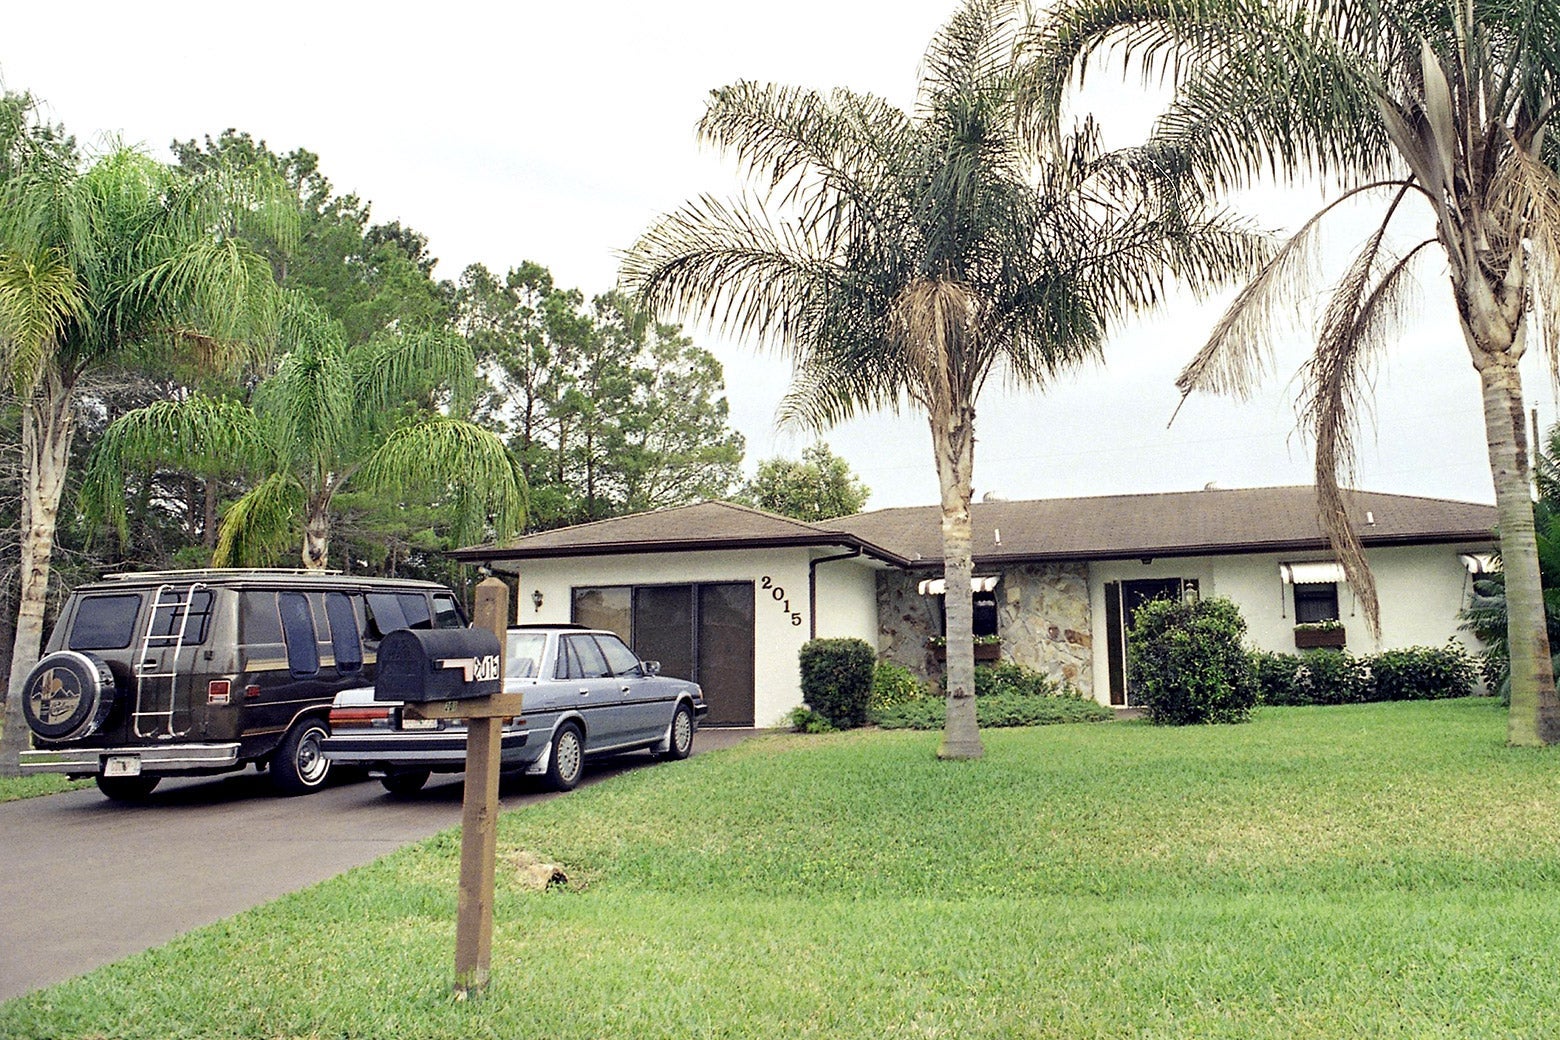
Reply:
x=556 y=132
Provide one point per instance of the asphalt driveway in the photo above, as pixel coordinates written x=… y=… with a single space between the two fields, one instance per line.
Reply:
x=85 y=881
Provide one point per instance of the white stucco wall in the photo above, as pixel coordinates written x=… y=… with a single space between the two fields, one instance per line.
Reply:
x=1421 y=590
x=846 y=593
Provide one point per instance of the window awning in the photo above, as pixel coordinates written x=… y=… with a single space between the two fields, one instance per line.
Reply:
x=1310 y=573
x=1480 y=563
x=978 y=583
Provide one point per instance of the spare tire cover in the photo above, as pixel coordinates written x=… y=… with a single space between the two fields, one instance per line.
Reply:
x=67 y=695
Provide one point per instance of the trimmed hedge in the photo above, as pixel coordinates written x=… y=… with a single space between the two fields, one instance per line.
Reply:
x=997 y=711
x=1334 y=677
x=837 y=679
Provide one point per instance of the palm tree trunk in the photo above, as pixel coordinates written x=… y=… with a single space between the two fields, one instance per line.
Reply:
x=953 y=443
x=316 y=537
x=47 y=427
x=1534 y=717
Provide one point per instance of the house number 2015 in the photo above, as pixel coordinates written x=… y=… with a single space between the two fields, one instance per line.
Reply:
x=777 y=593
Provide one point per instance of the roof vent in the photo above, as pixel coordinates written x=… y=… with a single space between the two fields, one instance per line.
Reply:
x=1370 y=518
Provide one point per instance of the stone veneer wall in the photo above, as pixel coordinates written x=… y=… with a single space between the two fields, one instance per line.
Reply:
x=1042 y=616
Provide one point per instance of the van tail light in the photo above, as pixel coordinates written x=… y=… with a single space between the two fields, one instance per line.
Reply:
x=219 y=691
x=251 y=692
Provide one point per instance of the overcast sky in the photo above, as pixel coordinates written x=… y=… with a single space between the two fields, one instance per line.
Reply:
x=557 y=132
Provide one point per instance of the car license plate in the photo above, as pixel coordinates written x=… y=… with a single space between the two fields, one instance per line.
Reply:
x=122 y=765
x=419 y=723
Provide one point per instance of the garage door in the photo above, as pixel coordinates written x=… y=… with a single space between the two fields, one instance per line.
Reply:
x=699 y=631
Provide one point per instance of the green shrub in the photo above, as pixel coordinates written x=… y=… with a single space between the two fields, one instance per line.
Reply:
x=997 y=711
x=1275 y=676
x=1187 y=664
x=837 y=679
x=1012 y=679
x=893 y=684
x=1332 y=677
x=802 y=719
x=1424 y=673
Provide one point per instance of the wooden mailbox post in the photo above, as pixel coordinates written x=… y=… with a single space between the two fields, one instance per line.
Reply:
x=484 y=718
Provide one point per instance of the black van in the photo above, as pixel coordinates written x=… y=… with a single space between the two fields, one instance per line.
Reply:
x=198 y=672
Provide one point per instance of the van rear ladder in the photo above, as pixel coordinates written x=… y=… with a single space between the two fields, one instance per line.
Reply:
x=165 y=628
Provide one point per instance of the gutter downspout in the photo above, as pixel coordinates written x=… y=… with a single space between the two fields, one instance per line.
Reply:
x=812 y=587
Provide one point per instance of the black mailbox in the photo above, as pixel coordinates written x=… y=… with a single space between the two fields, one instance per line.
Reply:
x=441 y=664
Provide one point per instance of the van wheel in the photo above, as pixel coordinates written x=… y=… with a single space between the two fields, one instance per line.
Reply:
x=299 y=765
x=130 y=789
x=405 y=782
x=567 y=760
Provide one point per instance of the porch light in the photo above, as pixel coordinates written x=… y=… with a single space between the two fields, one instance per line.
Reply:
x=536 y=598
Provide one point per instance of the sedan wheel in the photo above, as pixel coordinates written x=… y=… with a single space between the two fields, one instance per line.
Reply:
x=680 y=746
x=567 y=760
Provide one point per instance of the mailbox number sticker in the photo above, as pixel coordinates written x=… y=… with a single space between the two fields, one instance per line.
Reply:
x=474 y=669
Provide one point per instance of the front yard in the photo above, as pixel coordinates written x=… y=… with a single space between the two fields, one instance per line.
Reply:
x=1386 y=870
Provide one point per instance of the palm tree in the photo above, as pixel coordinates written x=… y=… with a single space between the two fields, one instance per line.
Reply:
x=330 y=416
x=919 y=254
x=110 y=265
x=1444 y=104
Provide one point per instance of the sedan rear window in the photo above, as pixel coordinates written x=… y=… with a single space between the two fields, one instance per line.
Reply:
x=523 y=659
x=104 y=622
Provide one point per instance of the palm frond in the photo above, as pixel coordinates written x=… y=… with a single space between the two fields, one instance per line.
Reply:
x=39 y=298
x=209 y=436
x=460 y=465
x=263 y=527
x=402 y=365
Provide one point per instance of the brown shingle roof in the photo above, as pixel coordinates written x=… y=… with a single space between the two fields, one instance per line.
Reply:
x=702 y=526
x=1191 y=523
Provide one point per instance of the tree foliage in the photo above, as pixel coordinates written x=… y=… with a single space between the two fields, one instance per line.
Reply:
x=819 y=486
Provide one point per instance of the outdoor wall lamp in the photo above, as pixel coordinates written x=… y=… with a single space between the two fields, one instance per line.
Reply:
x=536 y=597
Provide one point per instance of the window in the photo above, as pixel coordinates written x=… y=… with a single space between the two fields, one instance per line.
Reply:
x=303 y=654
x=445 y=613
x=1316 y=601
x=524 y=659
x=258 y=620
x=344 y=641
x=169 y=614
x=104 y=622
x=619 y=657
x=581 y=658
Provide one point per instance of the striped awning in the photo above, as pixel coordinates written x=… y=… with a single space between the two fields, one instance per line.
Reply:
x=978 y=583
x=1311 y=573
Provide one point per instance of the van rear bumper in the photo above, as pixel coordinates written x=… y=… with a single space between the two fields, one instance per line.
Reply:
x=168 y=758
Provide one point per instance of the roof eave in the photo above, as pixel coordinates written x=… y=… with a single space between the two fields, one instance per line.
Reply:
x=486 y=554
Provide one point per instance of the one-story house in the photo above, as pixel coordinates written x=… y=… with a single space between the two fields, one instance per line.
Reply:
x=727 y=595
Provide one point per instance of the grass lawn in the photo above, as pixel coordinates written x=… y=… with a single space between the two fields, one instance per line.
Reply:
x=13 y=788
x=1387 y=870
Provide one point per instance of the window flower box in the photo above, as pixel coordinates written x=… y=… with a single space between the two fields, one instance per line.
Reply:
x=1321 y=634
x=988 y=649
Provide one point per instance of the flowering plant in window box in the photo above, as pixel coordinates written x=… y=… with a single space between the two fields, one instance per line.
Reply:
x=1310 y=635
x=987 y=648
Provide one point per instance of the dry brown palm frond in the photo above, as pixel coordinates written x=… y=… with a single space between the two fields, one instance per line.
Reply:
x=937 y=324
x=1527 y=191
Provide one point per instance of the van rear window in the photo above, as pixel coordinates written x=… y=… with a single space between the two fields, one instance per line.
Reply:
x=104 y=622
